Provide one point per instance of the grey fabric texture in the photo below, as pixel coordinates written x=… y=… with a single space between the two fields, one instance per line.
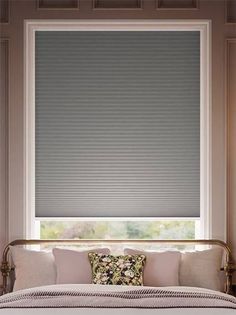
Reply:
x=117 y=124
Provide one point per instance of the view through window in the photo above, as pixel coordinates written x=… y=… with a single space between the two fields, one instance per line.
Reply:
x=118 y=229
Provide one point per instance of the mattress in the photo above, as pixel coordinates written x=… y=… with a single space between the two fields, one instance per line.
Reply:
x=97 y=299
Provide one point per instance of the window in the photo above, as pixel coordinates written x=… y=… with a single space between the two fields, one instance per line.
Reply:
x=117 y=133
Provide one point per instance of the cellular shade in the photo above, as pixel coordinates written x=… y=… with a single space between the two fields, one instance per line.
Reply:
x=117 y=124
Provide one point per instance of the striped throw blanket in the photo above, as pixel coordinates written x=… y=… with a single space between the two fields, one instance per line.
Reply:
x=95 y=296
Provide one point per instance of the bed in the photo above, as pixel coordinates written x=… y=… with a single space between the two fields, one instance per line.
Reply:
x=66 y=297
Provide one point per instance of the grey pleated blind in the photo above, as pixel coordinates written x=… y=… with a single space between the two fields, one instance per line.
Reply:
x=117 y=124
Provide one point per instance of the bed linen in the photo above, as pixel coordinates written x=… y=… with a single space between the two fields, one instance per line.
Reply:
x=84 y=311
x=102 y=299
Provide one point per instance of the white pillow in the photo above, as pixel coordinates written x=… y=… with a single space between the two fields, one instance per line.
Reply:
x=32 y=268
x=161 y=268
x=201 y=269
x=73 y=266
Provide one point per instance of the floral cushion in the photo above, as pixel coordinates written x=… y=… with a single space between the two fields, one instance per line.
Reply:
x=117 y=270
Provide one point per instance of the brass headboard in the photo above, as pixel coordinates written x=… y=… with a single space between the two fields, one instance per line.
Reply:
x=229 y=266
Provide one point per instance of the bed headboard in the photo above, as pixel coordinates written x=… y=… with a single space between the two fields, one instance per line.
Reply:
x=228 y=267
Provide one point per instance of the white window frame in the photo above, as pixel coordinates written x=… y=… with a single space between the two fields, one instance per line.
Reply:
x=203 y=26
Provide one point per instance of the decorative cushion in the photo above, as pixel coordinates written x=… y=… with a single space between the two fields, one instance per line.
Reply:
x=32 y=268
x=161 y=268
x=117 y=270
x=73 y=266
x=202 y=269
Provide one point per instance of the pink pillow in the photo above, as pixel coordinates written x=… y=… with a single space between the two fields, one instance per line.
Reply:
x=73 y=266
x=161 y=268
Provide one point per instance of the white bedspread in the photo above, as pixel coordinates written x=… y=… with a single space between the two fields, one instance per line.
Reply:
x=95 y=299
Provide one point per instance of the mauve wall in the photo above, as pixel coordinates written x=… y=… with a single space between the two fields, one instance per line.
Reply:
x=223 y=16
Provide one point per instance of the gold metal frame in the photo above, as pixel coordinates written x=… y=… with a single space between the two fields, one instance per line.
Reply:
x=229 y=266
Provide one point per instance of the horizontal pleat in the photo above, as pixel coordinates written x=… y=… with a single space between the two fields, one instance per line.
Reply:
x=117 y=124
